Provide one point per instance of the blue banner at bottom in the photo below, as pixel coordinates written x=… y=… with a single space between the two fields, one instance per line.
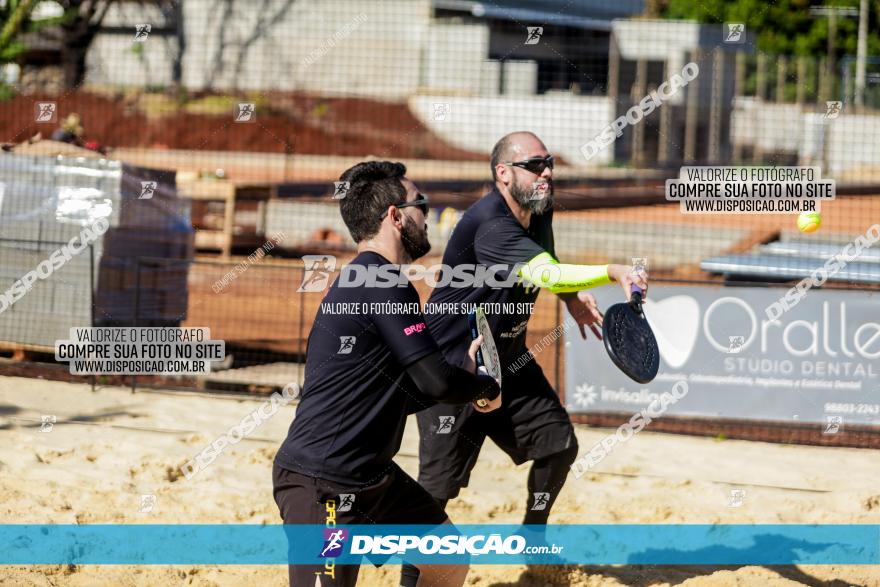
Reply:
x=163 y=544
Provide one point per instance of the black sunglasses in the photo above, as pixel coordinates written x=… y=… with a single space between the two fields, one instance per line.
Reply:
x=421 y=202
x=536 y=165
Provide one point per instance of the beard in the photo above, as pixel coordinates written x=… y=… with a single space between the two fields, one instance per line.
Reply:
x=524 y=194
x=414 y=240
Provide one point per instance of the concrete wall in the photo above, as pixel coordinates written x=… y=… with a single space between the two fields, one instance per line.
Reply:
x=333 y=46
x=455 y=55
x=520 y=78
x=563 y=121
x=852 y=146
x=390 y=49
x=114 y=58
x=338 y=46
x=767 y=126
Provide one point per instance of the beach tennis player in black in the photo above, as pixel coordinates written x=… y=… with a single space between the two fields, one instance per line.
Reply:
x=511 y=227
x=370 y=361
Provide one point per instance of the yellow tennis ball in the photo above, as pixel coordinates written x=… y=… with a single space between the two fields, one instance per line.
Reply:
x=809 y=221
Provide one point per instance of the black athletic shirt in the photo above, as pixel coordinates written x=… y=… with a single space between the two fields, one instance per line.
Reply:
x=352 y=412
x=489 y=234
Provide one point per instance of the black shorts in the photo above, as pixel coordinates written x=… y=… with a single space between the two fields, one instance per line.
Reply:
x=394 y=499
x=530 y=424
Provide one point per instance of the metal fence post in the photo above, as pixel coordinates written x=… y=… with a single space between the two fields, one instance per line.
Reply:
x=137 y=305
x=92 y=296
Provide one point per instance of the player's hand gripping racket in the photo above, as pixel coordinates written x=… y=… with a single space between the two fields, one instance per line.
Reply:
x=629 y=339
x=487 y=354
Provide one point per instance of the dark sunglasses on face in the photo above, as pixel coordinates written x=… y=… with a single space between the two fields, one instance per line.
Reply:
x=536 y=165
x=421 y=202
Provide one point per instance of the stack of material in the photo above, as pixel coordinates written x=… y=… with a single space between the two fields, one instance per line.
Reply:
x=45 y=202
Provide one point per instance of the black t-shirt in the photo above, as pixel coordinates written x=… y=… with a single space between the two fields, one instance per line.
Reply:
x=488 y=234
x=352 y=411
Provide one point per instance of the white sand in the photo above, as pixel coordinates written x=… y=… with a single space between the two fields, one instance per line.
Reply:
x=110 y=447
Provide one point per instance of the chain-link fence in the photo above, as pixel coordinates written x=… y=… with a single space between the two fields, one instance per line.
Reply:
x=211 y=140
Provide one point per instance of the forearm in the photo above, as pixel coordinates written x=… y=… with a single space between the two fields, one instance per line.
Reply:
x=441 y=382
x=560 y=278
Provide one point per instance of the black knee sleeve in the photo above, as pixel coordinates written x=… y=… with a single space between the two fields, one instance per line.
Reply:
x=546 y=478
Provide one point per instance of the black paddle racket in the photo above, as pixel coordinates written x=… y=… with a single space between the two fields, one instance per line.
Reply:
x=629 y=339
x=487 y=355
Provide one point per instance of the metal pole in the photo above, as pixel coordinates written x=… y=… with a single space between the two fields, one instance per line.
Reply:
x=781 y=70
x=829 y=64
x=613 y=70
x=761 y=90
x=691 y=120
x=641 y=88
x=663 y=142
x=137 y=304
x=861 y=53
x=739 y=90
x=822 y=73
x=716 y=98
x=801 y=79
x=92 y=295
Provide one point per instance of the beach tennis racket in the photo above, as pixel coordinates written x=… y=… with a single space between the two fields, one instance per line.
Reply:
x=487 y=355
x=629 y=340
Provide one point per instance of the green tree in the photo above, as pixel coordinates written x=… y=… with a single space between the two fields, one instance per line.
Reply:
x=77 y=29
x=15 y=16
x=783 y=27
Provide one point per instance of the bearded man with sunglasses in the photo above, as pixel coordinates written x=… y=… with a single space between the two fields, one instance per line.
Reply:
x=365 y=371
x=510 y=226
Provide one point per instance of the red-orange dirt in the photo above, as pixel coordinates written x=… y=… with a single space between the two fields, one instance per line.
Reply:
x=285 y=123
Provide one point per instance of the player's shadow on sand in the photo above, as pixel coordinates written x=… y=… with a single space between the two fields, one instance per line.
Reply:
x=649 y=575
x=103 y=417
x=766 y=546
x=6 y=410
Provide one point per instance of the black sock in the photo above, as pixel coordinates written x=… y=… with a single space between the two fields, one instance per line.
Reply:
x=546 y=478
x=409 y=576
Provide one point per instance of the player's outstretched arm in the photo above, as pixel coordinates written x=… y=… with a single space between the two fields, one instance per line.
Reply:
x=569 y=282
x=546 y=272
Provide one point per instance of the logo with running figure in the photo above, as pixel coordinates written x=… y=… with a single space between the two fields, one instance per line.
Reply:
x=446 y=424
x=142 y=32
x=736 y=344
x=148 y=188
x=47 y=422
x=334 y=540
x=533 y=34
x=346 y=501
x=832 y=109
x=346 y=345
x=542 y=498
x=539 y=190
x=441 y=111
x=316 y=274
x=734 y=32
x=148 y=502
x=45 y=111
x=245 y=112
x=639 y=264
x=737 y=498
x=340 y=189
x=833 y=424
